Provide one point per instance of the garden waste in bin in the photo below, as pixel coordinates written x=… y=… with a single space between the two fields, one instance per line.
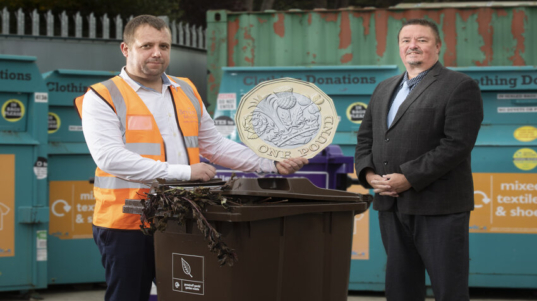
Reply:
x=295 y=248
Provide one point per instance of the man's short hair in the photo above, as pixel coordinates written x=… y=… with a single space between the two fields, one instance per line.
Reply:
x=132 y=25
x=422 y=22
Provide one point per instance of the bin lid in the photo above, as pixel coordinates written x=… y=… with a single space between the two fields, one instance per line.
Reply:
x=289 y=188
x=302 y=197
x=212 y=182
x=19 y=74
x=64 y=85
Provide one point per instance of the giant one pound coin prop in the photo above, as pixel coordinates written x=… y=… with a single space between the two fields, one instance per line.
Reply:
x=286 y=118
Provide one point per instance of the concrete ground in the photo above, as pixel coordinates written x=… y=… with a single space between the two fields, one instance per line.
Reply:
x=95 y=292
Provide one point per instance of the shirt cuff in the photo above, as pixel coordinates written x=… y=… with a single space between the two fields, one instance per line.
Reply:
x=179 y=172
x=266 y=166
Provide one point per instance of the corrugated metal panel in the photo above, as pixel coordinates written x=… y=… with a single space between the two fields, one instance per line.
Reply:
x=490 y=34
x=465 y=4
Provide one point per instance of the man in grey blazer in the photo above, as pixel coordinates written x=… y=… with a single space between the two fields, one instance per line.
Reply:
x=413 y=149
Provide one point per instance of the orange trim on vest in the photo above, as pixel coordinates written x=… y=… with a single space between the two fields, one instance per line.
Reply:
x=140 y=128
x=187 y=117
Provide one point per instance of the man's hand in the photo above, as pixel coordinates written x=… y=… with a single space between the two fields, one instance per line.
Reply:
x=397 y=181
x=380 y=185
x=389 y=185
x=202 y=172
x=291 y=165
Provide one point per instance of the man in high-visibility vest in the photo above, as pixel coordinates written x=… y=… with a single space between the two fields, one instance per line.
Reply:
x=140 y=126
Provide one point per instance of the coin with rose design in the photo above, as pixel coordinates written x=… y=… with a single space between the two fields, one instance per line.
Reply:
x=286 y=118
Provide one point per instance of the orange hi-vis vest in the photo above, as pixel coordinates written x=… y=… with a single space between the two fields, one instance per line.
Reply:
x=142 y=136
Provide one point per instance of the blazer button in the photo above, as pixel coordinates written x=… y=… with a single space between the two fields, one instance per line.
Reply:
x=387 y=139
x=385 y=162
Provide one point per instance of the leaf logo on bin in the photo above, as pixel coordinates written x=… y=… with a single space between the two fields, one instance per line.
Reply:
x=186 y=268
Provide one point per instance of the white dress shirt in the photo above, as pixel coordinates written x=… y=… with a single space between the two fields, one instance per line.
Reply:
x=101 y=128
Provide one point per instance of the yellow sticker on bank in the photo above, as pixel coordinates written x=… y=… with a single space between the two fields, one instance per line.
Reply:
x=525 y=133
x=54 y=123
x=356 y=112
x=525 y=159
x=13 y=110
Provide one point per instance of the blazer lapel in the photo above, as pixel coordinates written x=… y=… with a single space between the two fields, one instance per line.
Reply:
x=384 y=101
x=416 y=92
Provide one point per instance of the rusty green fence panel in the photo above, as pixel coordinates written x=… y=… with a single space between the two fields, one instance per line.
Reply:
x=473 y=34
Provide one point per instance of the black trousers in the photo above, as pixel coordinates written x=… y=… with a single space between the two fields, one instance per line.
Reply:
x=128 y=257
x=436 y=243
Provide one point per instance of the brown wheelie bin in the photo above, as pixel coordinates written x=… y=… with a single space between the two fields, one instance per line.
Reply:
x=298 y=249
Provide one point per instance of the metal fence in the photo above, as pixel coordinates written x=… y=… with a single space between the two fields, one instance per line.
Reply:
x=78 y=26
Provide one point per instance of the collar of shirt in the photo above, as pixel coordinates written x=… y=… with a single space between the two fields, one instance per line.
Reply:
x=412 y=83
x=136 y=85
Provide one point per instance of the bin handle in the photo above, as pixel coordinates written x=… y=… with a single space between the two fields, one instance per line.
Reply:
x=524 y=101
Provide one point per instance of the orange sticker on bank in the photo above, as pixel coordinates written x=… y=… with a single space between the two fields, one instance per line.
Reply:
x=360 y=235
x=504 y=203
x=7 y=206
x=71 y=209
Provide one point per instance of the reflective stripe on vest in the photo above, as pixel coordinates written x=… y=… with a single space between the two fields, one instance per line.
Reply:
x=119 y=105
x=191 y=141
x=149 y=149
x=117 y=183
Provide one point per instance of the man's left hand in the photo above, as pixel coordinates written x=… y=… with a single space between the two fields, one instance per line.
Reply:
x=398 y=182
x=291 y=165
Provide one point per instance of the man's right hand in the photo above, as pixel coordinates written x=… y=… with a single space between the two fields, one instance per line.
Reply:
x=202 y=172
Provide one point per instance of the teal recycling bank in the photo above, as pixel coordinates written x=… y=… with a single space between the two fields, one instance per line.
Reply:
x=503 y=225
x=504 y=161
x=24 y=211
x=73 y=256
x=47 y=200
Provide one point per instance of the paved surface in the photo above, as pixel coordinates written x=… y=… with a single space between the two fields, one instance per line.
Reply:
x=95 y=292
x=476 y=294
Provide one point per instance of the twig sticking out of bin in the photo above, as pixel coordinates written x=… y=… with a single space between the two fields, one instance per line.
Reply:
x=180 y=204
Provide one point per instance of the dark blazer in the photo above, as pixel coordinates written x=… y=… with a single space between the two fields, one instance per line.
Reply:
x=429 y=141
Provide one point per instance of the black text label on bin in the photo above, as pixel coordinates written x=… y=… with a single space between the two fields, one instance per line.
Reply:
x=41 y=168
x=224 y=125
x=54 y=123
x=356 y=112
x=13 y=110
x=188 y=274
